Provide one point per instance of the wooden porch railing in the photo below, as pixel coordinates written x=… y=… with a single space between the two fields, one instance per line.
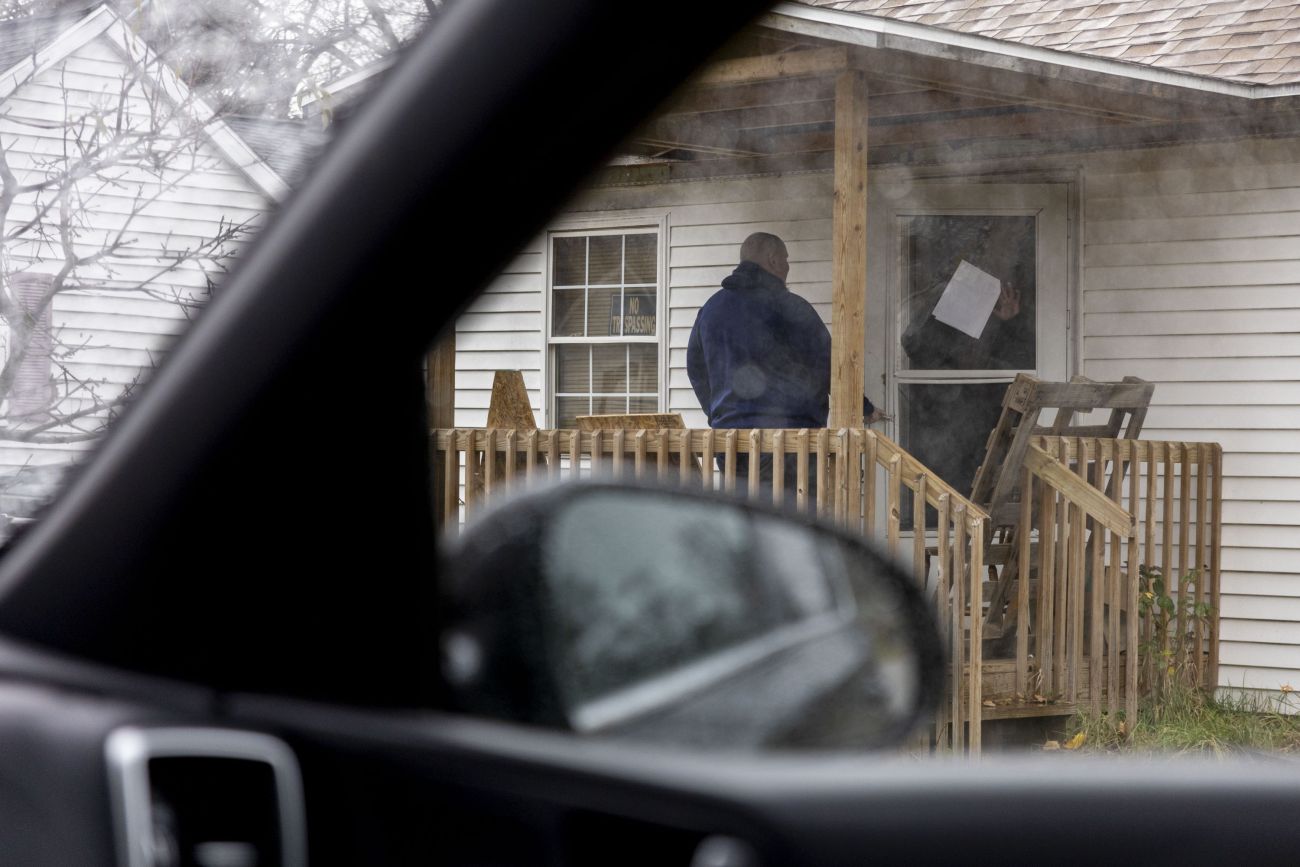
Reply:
x=1076 y=643
x=1173 y=493
x=869 y=502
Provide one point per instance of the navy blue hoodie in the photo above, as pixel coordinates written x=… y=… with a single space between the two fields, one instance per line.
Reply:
x=759 y=355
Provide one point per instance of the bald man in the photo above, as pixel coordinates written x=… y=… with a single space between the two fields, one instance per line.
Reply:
x=759 y=355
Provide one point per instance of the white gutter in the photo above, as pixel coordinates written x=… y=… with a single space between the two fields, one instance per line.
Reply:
x=873 y=31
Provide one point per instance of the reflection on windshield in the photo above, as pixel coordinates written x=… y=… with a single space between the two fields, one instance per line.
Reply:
x=141 y=155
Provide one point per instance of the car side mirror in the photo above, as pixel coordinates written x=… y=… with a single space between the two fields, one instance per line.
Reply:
x=684 y=618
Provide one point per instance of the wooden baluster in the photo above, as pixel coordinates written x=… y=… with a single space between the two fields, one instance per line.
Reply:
x=662 y=455
x=1097 y=598
x=801 y=473
x=824 y=485
x=1151 y=473
x=553 y=455
x=1074 y=667
x=1078 y=569
x=960 y=674
x=1131 y=638
x=706 y=460
x=1045 y=625
x=575 y=455
x=872 y=446
x=597 y=455
x=1023 y=535
x=489 y=465
x=1064 y=625
x=1200 y=568
x=638 y=461
x=1113 y=589
x=755 y=455
x=729 y=476
x=684 y=455
x=1167 y=549
x=1184 y=542
x=471 y=475
x=856 y=448
x=530 y=458
x=778 y=467
x=918 y=532
x=842 y=478
x=511 y=442
x=616 y=459
x=451 y=485
x=1216 y=564
x=976 y=536
x=943 y=591
x=894 y=492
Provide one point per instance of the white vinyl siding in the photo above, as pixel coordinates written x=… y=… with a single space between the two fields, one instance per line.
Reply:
x=503 y=330
x=1191 y=278
x=702 y=226
x=112 y=332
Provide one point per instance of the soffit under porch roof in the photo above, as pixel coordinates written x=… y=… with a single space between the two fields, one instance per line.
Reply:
x=767 y=104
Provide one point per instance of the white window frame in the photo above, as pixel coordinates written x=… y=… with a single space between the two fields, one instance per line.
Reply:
x=607 y=225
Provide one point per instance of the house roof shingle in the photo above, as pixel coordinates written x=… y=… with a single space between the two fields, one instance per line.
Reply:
x=23 y=37
x=289 y=147
x=1234 y=40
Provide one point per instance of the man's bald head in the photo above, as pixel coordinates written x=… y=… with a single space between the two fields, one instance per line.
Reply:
x=768 y=252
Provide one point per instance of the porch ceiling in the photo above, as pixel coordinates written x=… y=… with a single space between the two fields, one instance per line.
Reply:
x=770 y=102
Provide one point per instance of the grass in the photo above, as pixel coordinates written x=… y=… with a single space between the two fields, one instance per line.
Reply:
x=1186 y=720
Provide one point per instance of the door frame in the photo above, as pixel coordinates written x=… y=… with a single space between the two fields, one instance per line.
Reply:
x=898 y=197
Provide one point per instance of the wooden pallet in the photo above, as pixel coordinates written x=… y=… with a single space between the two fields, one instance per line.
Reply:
x=997 y=481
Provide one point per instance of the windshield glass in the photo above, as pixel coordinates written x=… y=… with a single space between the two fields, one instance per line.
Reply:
x=1008 y=292
x=143 y=146
x=1020 y=316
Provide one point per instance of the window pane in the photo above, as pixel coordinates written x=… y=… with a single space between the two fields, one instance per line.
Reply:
x=569 y=261
x=601 y=304
x=641 y=258
x=609 y=369
x=606 y=260
x=609 y=406
x=568 y=409
x=1003 y=248
x=571 y=369
x=643 y=368
x=638 y=313
x=566 y=313
x=645 y=404
x=954 y=448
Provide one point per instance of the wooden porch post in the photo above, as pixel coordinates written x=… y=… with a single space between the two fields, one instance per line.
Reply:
x=849 y=251
x=441 y=380
x=440 y=387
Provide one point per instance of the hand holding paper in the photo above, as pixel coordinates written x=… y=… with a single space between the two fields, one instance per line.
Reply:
x=968 y=299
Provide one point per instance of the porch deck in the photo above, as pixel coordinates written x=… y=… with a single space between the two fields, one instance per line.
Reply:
x=1093 y=512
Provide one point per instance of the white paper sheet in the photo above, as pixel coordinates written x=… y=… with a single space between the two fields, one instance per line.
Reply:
x=968 y=299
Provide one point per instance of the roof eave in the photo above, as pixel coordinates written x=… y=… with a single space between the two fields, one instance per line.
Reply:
x=872 y=31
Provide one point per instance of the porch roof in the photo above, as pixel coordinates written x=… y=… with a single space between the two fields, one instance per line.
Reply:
x=938 y=96
x=1248 y=41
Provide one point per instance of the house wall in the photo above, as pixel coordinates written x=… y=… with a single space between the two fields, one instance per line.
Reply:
x=706 y=221
x=111 y=329
x=1189 y=276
